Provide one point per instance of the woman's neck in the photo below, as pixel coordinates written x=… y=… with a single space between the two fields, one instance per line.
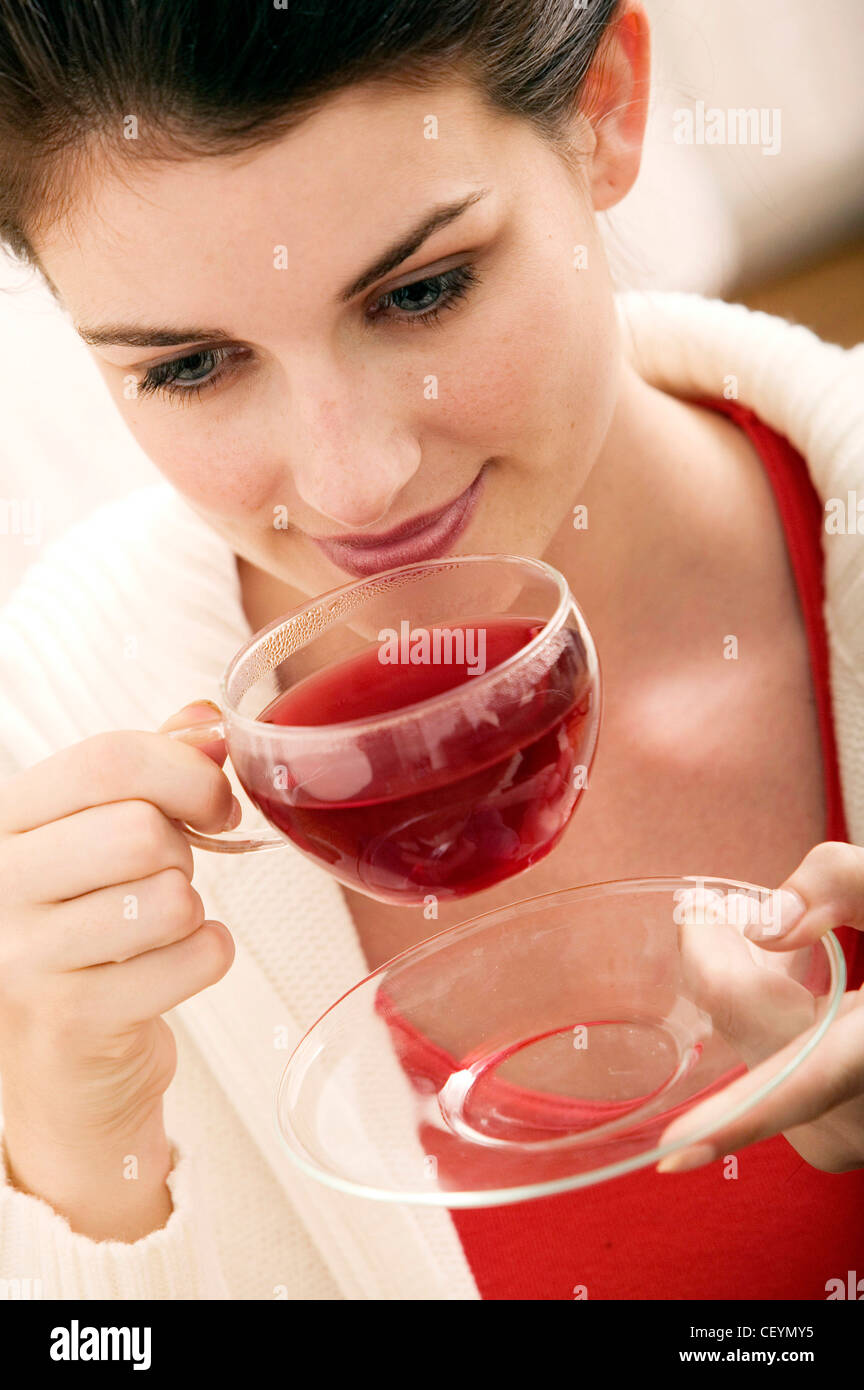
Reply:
x=677 y=504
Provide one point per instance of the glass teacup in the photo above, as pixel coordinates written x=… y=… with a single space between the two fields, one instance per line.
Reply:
x=425 y=731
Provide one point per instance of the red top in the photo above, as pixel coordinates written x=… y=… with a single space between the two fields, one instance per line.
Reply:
x=781 y=1229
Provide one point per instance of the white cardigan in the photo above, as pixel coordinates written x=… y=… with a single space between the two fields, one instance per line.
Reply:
x=135 y=612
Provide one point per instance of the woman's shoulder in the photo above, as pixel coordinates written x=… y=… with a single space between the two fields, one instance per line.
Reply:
x=145 y=542
x=804 y=388
x=809 y=391
x=114 y=623
x=152 y=528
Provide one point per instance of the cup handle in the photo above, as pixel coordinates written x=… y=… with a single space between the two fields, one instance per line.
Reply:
x=230 y=841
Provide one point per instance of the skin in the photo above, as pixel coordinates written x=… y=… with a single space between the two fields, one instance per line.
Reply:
x=321 y=410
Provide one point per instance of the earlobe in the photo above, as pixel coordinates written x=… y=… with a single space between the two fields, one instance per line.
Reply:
x=616 y=105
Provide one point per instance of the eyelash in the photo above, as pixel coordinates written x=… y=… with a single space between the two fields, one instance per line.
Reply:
x=163 y=378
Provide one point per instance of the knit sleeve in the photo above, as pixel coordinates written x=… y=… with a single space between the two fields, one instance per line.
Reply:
x=85 y=638
x=42 y=1255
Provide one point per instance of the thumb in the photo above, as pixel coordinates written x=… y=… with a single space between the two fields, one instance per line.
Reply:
x=201 y=712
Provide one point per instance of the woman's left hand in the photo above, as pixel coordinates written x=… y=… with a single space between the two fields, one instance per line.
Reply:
x=820 y=1107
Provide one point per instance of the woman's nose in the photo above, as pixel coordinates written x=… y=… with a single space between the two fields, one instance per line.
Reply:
x=352 y=461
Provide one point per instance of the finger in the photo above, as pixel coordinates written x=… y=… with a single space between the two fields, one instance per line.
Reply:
x=830 y=1075
x=206 y=713
x=159 y=980
x=117 y=923
x=116 y=996
x=93 y=849
x=752 y=1000
x=824 y=892
x=119 y=766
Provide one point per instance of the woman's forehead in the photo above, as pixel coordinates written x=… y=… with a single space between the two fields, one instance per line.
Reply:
x=332 y=192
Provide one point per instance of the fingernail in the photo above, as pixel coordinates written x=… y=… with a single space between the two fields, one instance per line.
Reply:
x=205 y=705
x=694 y=1157
x=792 y=909
x=196 y=712
x=787 y=908
x=236 y=815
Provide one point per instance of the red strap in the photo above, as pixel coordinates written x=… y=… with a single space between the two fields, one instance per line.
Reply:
x=802 y=516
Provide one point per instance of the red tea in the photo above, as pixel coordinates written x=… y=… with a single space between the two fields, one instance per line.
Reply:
x=483 y=791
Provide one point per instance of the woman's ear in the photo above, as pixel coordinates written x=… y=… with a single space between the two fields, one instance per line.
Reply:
x=615 y=104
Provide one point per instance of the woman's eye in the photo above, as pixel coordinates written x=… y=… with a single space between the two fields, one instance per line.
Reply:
x=186 y=376
x=420 y=302
x=423 y=300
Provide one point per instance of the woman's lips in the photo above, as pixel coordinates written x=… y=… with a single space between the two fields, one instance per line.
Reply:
x=421 y=538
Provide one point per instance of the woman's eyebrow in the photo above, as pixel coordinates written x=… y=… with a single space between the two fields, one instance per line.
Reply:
x=135 y=335
x=129 y=335
x=432 y=221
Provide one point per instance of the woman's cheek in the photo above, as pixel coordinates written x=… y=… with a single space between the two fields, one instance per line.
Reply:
x=526 y=394
x=486 y=386
x=223 y=474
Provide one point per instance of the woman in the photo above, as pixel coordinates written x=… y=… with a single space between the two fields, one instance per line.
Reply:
x=274 y=229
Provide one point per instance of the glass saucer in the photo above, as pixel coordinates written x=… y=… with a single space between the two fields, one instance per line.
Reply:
x=545 y=1046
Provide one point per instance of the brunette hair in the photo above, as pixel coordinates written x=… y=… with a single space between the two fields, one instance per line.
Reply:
x=199 y=77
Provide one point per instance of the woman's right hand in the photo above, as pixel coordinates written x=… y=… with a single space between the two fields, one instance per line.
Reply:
x=101 y=932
